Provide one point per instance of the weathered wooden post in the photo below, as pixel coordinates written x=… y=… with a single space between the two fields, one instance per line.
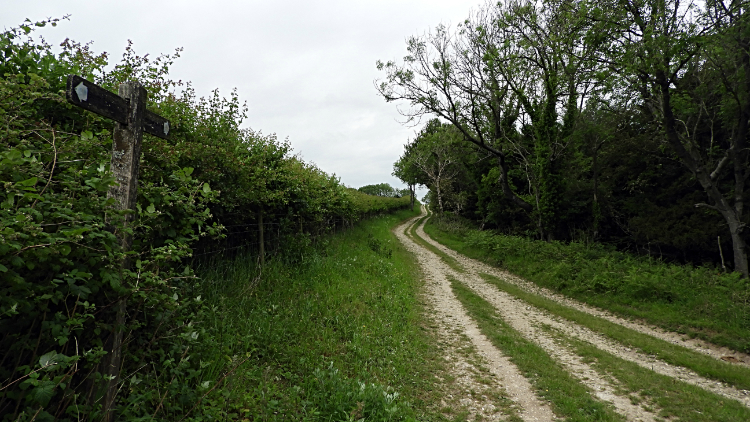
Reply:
x=129 y=112
x=126 y=157
x=261 y=240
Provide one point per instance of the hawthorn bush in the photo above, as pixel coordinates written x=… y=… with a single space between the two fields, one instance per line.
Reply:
x=60 y=261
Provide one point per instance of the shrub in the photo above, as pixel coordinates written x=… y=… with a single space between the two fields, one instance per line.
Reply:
x=63 y=270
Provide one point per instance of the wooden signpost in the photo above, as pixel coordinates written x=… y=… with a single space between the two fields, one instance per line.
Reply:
x=129 y=112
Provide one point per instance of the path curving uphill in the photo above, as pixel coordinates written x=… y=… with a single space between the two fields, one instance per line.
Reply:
x=563 y=341
x=449 y=314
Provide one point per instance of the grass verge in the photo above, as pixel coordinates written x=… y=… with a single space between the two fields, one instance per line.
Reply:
x=331 y=331
x=569 y=398
x=700 y=302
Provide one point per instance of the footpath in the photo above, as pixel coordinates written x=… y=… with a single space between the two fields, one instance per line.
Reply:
x=493 y=380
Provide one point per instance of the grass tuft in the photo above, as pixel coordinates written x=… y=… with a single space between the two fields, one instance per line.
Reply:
x=673 y=398
x=706 y=366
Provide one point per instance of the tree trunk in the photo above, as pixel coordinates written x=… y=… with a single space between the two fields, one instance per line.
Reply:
x=595 y=209
x=439 y=195
x=739 y=248
x=547 y=177
x=732 y=214
x=507 y=191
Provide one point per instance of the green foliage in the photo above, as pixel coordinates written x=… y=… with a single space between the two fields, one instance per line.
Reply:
x=330 y=332
x=366 y=205
x=434 y=159
x=592 y=122
x=379 y=247
x=62 y=265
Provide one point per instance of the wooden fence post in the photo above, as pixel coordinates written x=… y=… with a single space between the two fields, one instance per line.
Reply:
x=261 y=240
x=126 y=155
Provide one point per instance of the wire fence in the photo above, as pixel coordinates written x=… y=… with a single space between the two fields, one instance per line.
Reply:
x=247 y=236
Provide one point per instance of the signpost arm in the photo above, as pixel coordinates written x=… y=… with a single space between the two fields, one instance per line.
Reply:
x=126 y=154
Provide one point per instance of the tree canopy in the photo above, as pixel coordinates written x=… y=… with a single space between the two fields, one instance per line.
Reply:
x=381 y=189
x=617 y=121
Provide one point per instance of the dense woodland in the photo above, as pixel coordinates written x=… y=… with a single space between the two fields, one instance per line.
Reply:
x=622 y=122
x=207 y=192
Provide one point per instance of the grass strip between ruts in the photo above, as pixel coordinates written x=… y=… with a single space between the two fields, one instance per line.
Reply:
x=673 y=354
x=672 y=398
x=698 y=302
x=569 y=397
x=449 y=260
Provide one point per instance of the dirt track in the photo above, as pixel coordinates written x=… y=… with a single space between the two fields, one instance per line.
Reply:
x=457 y=328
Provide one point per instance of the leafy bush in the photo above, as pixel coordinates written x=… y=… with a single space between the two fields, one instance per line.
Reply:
x=63 y=270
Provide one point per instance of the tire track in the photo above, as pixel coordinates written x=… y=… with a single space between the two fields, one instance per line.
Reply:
x=697 y=345
x=519 y=316
x=526 y=319
x=448 y=309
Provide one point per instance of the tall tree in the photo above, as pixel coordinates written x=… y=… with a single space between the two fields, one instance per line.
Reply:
x=692 y=68
x=447 y=77
x=407 y=171
x=433 y=160
x=510 y=79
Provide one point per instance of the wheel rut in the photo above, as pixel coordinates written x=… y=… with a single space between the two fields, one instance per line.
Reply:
x=540 y=317
x=449 y=314
x=539 y=327
x=717 y=352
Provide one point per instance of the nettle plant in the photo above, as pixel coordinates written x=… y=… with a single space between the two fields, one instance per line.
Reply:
x=61 y=265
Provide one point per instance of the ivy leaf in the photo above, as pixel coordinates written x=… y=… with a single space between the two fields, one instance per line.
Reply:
x=151 y=209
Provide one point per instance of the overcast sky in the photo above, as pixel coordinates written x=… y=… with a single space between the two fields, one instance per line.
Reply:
x=305 y=68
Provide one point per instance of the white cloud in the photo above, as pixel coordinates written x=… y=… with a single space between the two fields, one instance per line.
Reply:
x=305 y=68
